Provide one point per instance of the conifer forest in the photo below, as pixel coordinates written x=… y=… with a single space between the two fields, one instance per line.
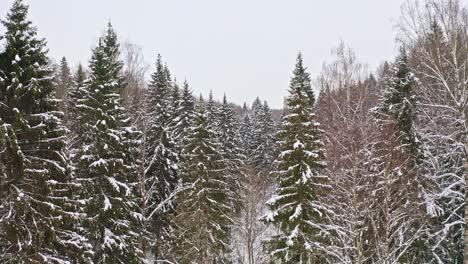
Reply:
x=102 y=163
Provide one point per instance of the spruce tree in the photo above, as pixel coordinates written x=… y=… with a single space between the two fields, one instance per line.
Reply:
x=245 y=132
x=168 y=77
x=445 y=158
x=262 y=138
x=399 y=104
x=176 y=101
x=63 y=85
x=227 y=134
x=227 y=131
x=212 y=111
x=297 y=207
x=256 y=110
x=38 y=212
x=161 y=174
x=78 y=82
x=186 y=115
x=401 y=218
x=244 y=109
x=104 y=160
x=255 y=114
x=302 y=79
x=74 y=94
x=204 y=207
x=262 y=155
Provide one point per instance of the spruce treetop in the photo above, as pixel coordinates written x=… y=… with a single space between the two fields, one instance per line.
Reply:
x=24 y=62
x=301 y=78
x=398 y=101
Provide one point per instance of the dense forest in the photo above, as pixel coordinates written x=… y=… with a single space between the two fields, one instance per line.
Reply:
x=100 y=163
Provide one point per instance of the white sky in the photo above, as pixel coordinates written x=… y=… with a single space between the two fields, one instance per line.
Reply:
x=244 y=48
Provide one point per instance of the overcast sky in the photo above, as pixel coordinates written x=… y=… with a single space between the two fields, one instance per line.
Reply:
x=244 y=48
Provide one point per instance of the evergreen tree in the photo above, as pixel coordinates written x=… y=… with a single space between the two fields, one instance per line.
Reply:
x=168 y=77
x=104 y=160
x=38 y=214
x=73 y=124
x=297 y=207
x=227 y=131
x=186 y=115
x=212 y=111
x=256 y=110
x=78 y=82
x=74 y=93
x=161 y=174
x=245 y=132
x=302 y=79
x=438 y=125
x=204 y=207
x=401 y=219
x=227 y=134
x=255 y=117
x=175 y=103
x=63 y=85
x=398 y=103
x=263 y=152
x=245 y=109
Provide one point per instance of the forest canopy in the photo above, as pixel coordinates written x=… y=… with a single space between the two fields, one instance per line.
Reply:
x=100 y=163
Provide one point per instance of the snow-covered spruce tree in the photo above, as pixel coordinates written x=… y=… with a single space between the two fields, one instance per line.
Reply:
x=204 y=206
x=227 y=130
x=262 y=155
x=63 y=85
x=185 y=116
x=302 y=79
x=175 y=102
x=227 y=134
x=78 y=82
x=74 y=94
x=256 y=110
x=212 y=112
x=248 y=232
x=246 y=135
x=447 y=157
x=38 y=216
x=255 y=117
x=297 y=207
x=161 y=173
x=104 y=161
x=400 y=222
x=438 y=56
